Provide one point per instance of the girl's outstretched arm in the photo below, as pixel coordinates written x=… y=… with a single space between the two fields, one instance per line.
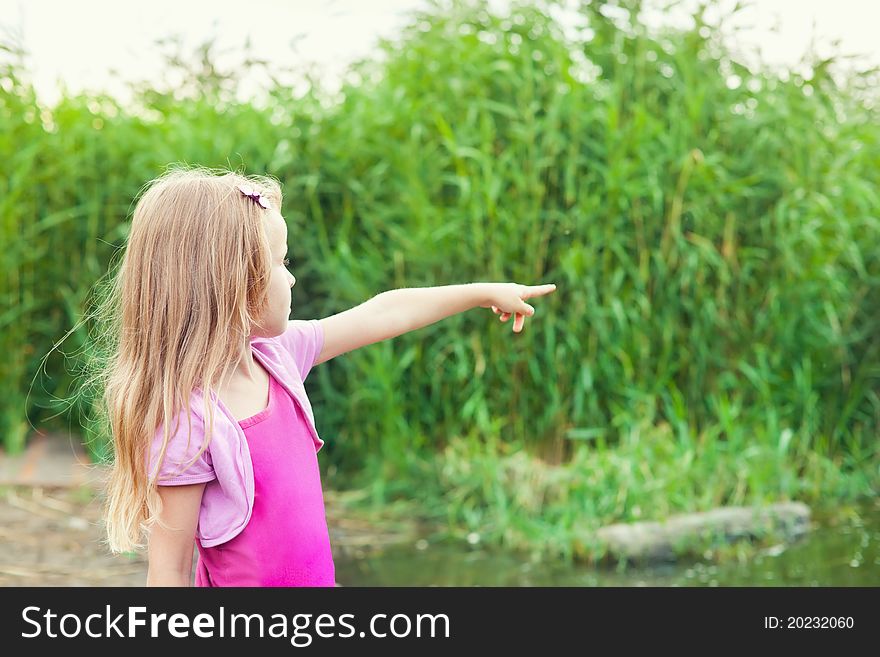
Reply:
x=396 y=312
x=170 y=548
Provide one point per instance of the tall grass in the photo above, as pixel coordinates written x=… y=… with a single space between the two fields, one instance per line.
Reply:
x=713 y=230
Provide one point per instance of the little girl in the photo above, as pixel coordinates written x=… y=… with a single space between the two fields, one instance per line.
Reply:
x=214 y=436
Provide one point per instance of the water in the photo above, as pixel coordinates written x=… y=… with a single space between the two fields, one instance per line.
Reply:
x=841 y=550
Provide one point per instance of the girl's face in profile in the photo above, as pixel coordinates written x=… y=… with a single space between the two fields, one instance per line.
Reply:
x=274 y=321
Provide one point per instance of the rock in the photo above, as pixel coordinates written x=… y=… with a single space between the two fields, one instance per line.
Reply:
x=685 y=532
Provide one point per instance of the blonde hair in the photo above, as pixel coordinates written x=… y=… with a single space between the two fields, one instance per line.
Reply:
x=177 y=315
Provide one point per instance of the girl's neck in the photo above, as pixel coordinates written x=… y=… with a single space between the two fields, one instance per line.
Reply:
x=246 y=371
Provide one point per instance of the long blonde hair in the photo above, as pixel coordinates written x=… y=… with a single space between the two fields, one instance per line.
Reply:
x=176 y=316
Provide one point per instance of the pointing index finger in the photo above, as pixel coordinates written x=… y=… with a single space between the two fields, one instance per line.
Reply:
x=540 y=290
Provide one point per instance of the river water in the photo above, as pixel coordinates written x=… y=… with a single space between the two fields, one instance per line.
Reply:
x=842 y=549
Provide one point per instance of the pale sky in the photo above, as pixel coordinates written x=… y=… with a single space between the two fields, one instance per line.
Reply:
x=77 y=43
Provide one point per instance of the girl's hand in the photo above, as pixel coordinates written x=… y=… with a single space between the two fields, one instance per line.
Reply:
x=508 y=299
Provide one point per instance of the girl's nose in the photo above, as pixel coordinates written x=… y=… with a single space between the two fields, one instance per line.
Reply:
x=292 y=280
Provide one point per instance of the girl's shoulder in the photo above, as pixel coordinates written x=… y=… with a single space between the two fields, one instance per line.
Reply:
x=185 y=458
x=300 y=344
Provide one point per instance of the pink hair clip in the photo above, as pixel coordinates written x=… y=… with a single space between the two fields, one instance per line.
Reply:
x=255 y=196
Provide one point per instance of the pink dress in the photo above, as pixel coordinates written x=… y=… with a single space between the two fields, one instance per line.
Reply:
x=285 y=542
